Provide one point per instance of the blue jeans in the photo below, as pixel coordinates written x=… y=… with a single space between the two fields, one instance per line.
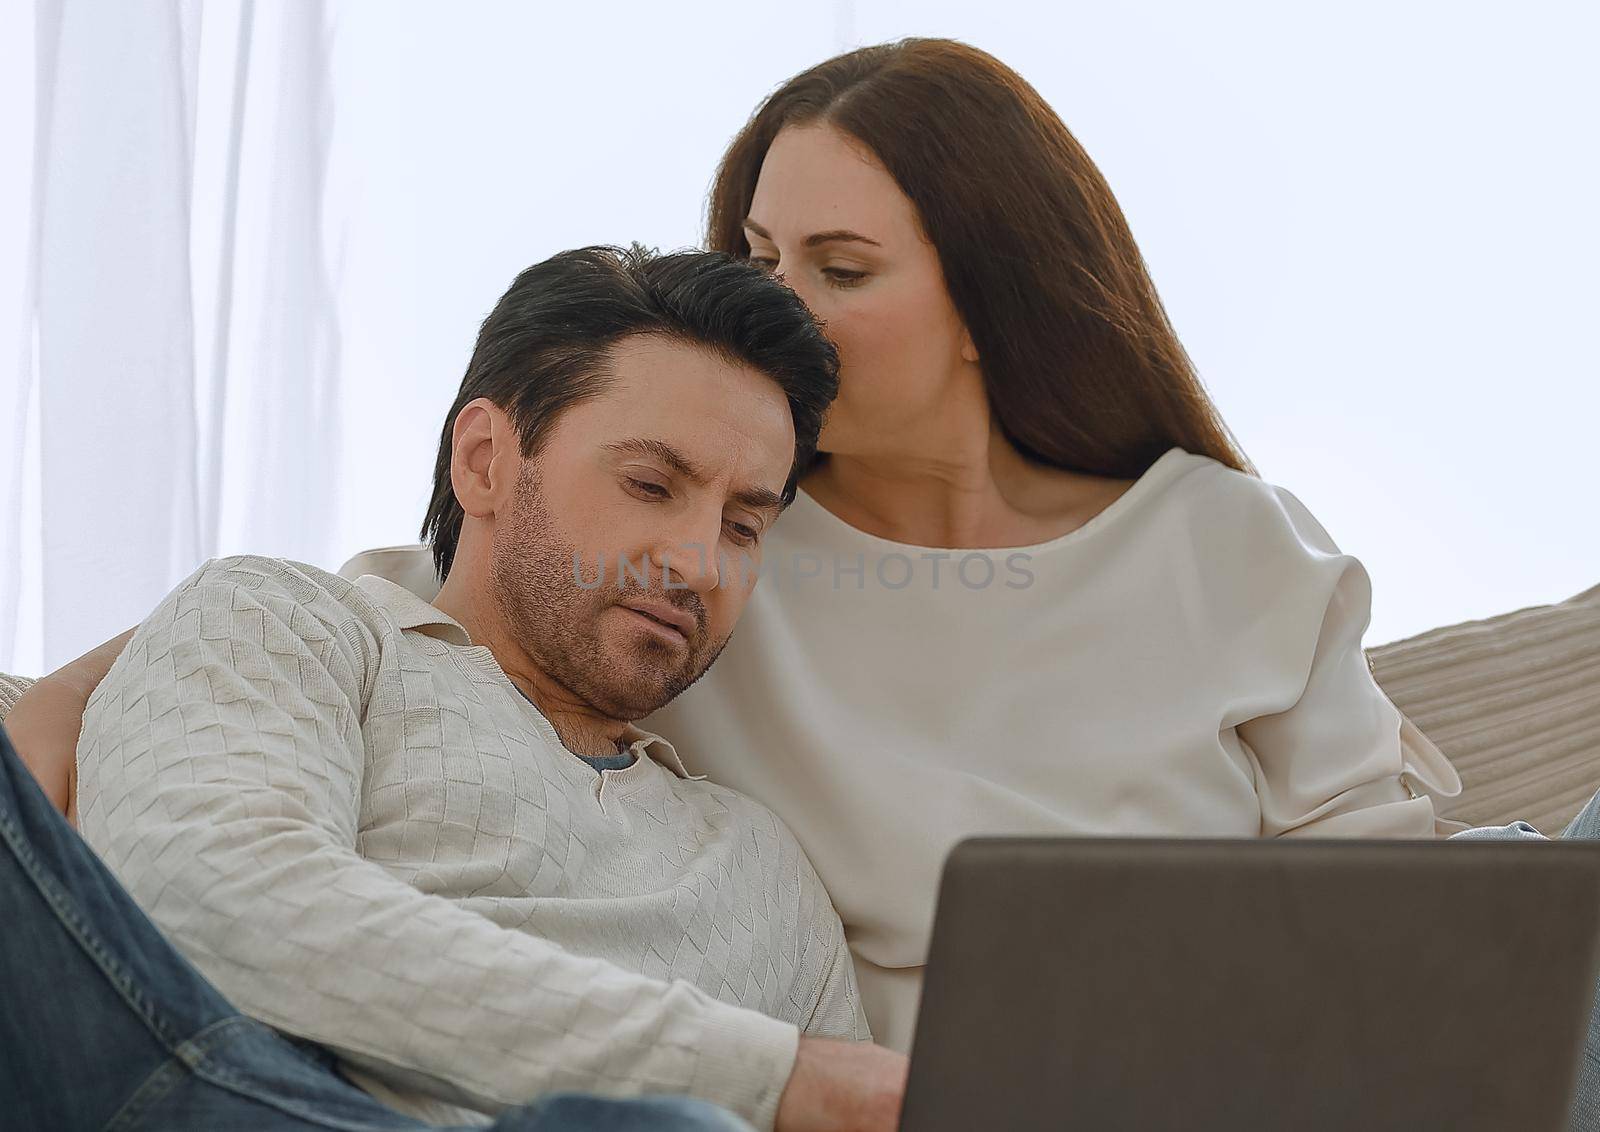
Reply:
x=1586 y=1104
x=104 y=1025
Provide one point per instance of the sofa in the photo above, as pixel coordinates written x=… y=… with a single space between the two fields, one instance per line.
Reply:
x=1514 y=702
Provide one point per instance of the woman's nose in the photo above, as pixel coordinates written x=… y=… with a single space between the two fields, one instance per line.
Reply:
x=797 y=284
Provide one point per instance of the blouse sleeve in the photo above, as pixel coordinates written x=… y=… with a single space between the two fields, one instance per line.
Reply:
x=1332 y=763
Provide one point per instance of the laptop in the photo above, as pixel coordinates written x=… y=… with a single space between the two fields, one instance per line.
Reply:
x=1139 y=984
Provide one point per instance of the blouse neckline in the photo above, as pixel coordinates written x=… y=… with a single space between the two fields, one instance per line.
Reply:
x=1165 y=466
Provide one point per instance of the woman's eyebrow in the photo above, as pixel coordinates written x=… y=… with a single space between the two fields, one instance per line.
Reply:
x=832 y=236
x=840 y=236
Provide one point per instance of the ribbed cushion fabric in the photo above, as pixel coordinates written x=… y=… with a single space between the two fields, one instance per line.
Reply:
x=1514 y=701
x=11 y=689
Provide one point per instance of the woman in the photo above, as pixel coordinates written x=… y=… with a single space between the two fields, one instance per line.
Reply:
x=1164 y=645
x=1033 y=586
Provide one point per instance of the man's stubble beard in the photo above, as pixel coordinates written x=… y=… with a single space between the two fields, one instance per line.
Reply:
x=557 y=623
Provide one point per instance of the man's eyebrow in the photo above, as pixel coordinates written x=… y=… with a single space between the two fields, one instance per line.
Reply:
x=832 y=236
x=755 y=498
x=760 y=499
x=658 y=450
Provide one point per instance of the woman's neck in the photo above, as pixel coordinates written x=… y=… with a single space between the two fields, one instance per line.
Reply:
x=984 y=495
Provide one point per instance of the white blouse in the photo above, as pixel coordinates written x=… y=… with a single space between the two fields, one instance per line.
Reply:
x=1187 y=663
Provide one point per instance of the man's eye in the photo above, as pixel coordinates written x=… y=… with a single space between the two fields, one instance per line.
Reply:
x=743 y=534
x=645 y=487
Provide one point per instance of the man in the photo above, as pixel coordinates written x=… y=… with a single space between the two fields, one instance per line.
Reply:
x=426 y=838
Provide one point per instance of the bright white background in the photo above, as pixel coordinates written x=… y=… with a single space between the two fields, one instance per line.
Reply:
x=1373 y=225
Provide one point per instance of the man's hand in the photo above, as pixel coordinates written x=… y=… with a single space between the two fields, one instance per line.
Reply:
x=841 y=1086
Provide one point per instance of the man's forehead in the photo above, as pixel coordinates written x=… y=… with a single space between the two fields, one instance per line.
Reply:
x=650 y=372
x=714 y=412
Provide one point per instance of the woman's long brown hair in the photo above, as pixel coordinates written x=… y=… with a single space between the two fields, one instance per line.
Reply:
x=1083 y=368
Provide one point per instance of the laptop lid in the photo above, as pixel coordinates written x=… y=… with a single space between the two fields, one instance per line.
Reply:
x=1155 y=984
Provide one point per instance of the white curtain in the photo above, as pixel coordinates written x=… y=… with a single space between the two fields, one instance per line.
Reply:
x=245 y=248
x=170 y=352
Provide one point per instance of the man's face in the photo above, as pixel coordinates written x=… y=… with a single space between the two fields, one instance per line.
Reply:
x=660 y=490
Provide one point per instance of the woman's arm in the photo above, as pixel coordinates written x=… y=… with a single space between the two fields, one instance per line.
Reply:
x=45 y=723
x=1341 y=760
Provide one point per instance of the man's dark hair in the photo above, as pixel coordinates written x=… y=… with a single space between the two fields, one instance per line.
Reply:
x=547 y=344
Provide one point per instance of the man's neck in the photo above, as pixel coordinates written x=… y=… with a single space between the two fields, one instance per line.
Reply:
x=582 y=729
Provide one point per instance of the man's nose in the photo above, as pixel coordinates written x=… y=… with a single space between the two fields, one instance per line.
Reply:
x=689 y=562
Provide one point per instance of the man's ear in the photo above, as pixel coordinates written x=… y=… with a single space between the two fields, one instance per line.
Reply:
x=485 y=458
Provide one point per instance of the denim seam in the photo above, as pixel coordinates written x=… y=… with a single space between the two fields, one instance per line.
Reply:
x=196 y=1054
x=161 y=1081
x=192 y=1053
x=62 y=907
x=190 y=1060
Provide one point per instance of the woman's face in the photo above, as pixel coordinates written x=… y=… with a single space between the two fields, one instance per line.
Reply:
x=832 y=221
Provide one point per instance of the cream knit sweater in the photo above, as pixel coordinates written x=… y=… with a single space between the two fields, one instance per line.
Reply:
x=347 y=817
x=1188 y=663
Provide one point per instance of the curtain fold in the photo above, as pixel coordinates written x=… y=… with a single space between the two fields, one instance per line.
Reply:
x=29 y=46
x=115 y=320
x=174 y=331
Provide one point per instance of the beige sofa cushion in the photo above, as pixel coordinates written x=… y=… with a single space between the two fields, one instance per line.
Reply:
x=410 y=565
x=1514 y=701
x=11 y=688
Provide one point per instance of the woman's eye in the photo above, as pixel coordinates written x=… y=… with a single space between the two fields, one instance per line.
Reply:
x=646 y=488
x=765 y=263
x=843 y=277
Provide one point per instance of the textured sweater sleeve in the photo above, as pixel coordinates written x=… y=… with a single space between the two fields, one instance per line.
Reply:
x=220 y=778
x=1332 y=763
x=839 y=1012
